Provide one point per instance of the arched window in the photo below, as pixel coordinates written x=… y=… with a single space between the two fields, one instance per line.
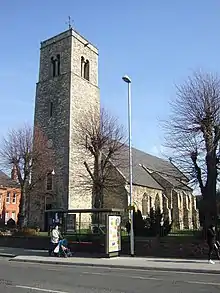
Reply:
x=82 y=66
x=86 y=70
x=180 y=200
x=53 y=66
x=157 y=202
x=144 y=205
x=188 y=202
x=150 y=203
x=49 y=182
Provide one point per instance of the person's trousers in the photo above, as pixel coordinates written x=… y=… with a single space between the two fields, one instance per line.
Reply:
x=52 y=247
x=213 y=247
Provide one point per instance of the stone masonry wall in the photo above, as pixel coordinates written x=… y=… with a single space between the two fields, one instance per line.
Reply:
x=116 y=195
x=55 y=128
x=140 y=191
x=182 y=204
x=71 y=96
x=84 y=98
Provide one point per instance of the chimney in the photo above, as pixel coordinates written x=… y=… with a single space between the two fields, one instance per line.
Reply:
x=14 y=175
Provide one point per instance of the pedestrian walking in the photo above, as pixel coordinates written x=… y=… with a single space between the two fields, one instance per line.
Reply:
x=212 y=243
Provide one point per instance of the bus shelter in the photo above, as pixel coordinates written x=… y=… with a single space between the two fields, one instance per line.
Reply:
x=102 y=225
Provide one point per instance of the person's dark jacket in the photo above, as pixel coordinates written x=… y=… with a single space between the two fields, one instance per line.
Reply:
x=211 y=236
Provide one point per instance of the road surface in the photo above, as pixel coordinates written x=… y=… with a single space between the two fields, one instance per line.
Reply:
x=38 y=278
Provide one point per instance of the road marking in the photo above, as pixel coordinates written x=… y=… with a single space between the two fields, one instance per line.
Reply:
x=203 y=283
x=127 y=276
x=39 y=289
x=154 y=279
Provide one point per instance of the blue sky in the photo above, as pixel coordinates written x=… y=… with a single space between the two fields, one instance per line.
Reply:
x=157 y=43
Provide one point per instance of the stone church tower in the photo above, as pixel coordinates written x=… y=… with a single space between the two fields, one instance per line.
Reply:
x=67 y=86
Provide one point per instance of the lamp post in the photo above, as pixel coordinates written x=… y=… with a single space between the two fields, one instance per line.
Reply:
x=131 y=211
x=45 y=198
x=46 y=215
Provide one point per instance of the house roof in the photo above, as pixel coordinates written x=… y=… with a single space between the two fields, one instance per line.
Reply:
x=6 y=181
x=142 y=162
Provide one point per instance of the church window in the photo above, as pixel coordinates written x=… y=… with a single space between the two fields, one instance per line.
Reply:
x=157 y=202
x=82 y=66
x=50 y=109
x=188 y=201
x=53 y=67
x=49 y=181
x=150 y=202
x=86 y=70
x=180 y=199
x=58 y=64
x=144 y=205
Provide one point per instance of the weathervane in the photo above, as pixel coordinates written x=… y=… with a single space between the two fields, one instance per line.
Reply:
x=69 y=22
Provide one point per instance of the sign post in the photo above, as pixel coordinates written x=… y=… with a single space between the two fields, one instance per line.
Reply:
x=113 y=235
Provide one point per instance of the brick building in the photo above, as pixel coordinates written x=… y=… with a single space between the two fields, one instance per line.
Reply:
x=9 y=196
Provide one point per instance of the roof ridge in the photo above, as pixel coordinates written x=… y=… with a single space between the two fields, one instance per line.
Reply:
x=154 y=156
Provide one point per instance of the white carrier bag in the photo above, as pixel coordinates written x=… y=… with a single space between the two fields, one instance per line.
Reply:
x=57 y=248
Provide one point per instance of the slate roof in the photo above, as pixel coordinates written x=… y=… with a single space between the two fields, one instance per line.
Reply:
x=141 y=176
x=6 y=181
x=175 y=183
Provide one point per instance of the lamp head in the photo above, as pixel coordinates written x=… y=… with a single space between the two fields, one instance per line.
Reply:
x=126 y=78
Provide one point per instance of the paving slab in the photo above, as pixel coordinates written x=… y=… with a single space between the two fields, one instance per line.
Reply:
x=161 y=264
x=12 y=252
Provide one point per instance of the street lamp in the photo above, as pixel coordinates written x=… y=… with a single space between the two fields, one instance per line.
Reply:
x=45 y=198
x=131 y=211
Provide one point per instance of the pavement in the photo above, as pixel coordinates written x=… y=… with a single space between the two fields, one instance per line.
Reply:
x=19 y=277
x=143 y=263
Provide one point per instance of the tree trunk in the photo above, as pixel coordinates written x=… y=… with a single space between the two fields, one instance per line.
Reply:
x=209 y=191
x=98 y=182
x=209 y=209
x=22 y=209
x=98 y=196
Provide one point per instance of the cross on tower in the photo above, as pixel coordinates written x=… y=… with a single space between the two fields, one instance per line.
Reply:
x=69 y=22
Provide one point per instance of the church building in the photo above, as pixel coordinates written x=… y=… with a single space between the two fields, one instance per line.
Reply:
x=67 y=86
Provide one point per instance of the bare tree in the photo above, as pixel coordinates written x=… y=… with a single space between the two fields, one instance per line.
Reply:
x=17 y=152
x=102 y=138
x=193 y=134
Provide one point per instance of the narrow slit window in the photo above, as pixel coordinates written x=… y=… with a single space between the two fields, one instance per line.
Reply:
x=58 y=64
x=53 y=67
x=82 y=66
x=86 y=70
x=51 y=109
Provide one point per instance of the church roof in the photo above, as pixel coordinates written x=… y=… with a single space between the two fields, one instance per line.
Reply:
x=172 y=181
x=144 y=164
x=6 y=181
